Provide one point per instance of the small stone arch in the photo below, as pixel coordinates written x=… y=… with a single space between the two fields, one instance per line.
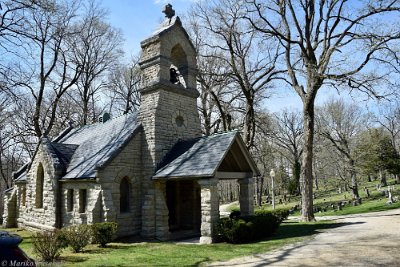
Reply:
x=124 y=195
x=39 y=186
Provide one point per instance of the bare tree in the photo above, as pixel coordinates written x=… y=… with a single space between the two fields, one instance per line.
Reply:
x=388 y=117
x=123 y=87
x=12 y=31
x=287 y=135
x=239 y=47
x=47 y=71
x=97 y=50
x=340 y=123
x=217 y=98
x=326 y=42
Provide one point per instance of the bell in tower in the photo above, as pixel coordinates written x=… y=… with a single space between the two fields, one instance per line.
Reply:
x=168 y=57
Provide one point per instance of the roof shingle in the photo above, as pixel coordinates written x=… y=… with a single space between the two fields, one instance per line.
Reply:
x=199 y=157
x=96 y=144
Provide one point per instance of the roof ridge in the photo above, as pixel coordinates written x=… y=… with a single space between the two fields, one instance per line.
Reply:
x=97 y=123
x=211 y=135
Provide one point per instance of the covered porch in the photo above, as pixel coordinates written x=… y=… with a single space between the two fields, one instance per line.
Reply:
x=188 y=178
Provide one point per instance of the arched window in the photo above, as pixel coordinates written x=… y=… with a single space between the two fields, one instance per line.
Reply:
x=124 y=191
x=39 y=186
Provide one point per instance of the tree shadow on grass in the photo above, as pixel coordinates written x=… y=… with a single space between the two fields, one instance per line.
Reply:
x=107 y=249
x=297 y=229
x=73 y=259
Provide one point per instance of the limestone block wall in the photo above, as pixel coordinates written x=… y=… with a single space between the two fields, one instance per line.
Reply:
x=177 y=37
x=44 y=217
x=10 y=209
x=159 y=112
x=88 y=215
x=159 y=54
x=209 y=209
x=126 y=164
x=21 y=207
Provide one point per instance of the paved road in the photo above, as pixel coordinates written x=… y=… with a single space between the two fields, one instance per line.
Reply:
x=371 y=239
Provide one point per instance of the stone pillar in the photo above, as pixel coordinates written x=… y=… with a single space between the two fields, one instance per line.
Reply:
x=246 y=198
x=209 y=209
x=148 y=214
x=162 y=226
x=10 y=209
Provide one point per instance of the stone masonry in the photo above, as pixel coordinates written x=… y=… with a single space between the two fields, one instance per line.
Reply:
x=108 y=171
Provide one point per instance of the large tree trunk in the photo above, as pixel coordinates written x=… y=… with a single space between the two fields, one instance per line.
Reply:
x=354 y=186
x=306 y=172
x=382 y=175
x=296 y=174
x=259 y=184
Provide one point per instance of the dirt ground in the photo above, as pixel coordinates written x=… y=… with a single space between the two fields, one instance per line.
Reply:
x=370 y=239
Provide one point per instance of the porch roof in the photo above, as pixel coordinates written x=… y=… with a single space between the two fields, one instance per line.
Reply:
x=203 y=157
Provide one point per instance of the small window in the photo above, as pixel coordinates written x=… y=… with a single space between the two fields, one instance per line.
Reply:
x=23 y=196
x=70 y=199
x=124 y=189
x=39 y=186
x=82 y=200
x=179 y=121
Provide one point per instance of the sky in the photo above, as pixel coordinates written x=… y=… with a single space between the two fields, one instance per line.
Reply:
x=137 y=19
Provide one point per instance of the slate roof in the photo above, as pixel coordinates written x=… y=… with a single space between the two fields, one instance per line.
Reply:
x=90 y=147
x=199 y=157
x=166 y=26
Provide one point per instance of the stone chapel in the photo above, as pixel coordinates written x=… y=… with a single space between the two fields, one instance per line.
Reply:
x=151 y=171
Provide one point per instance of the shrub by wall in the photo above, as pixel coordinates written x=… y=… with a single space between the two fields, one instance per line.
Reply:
x=48 y=245
x=244 y=229
x=78 y=236
x=103 y=232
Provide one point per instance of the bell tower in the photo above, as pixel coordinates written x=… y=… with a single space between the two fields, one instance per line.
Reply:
x=168 y=111
x=168 y=108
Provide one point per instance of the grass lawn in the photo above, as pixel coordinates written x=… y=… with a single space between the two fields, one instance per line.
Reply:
x=171 y=254
x=325 y=197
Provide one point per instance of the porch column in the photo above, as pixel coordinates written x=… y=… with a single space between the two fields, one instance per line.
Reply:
x=246 y=197
x=209 y=209
x=161 y=210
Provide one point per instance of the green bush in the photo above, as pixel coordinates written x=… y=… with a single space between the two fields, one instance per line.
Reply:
x=281 y=214
x=243 y=229
x=234 y=214
x=77 y=236
x=234 y=230
x=103 y=232
x=48 y=245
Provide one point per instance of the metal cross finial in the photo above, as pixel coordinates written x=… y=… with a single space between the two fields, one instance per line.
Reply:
x=168 y=11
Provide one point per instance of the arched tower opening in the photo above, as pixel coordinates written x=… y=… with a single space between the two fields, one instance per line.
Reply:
x=179 y=62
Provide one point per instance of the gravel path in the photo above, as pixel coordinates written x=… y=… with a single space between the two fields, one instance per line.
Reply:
x=370 y=239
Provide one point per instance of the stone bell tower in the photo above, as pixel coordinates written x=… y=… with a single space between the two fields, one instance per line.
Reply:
x=168 y=110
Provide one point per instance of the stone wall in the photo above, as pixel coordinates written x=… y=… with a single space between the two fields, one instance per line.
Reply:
x=29 y=215
x=159 y=111
x=168 y=112
x=75 y=216
x=126 y=164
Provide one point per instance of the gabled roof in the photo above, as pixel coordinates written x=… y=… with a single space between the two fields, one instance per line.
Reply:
x=201 y=157
x=90 y=147
x=166 y=26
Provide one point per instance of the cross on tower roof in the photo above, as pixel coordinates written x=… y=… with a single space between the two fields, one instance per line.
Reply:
x=168 y=11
